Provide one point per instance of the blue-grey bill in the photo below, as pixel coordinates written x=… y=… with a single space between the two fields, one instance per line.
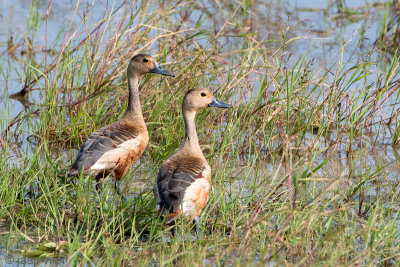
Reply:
x=219 y=104
x=160 y=70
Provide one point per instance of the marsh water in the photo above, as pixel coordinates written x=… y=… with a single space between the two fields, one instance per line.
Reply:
x=323 y=35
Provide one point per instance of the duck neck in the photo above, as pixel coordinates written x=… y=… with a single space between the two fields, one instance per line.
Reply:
x=191 y=142
x=134 y=109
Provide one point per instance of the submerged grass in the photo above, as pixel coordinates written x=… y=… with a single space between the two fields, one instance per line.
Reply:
x=280 y=193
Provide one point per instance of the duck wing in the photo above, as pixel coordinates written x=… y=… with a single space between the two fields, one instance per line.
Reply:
x=172 y=181
x=103 y=140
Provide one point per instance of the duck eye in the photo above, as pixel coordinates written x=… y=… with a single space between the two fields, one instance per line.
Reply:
x=145 y=60
x=203 y=94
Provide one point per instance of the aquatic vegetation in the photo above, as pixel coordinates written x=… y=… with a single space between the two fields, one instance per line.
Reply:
x=305 y=165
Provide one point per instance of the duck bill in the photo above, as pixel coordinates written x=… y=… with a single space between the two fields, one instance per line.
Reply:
x=219 y=104
x=160 y=70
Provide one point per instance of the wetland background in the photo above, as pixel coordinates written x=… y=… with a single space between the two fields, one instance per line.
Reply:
x=305 y=166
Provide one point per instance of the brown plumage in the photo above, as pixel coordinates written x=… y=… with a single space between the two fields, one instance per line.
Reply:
x=114 y=148
x=183 y=181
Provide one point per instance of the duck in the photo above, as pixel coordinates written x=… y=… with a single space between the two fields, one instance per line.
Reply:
x=182 y=184
x=114 y=148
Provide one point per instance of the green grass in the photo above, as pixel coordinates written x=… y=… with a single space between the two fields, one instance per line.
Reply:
x=280 y=191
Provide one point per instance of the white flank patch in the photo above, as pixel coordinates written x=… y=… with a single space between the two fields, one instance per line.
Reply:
x=206 y=173
x=110 y=159
x=188 y=205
